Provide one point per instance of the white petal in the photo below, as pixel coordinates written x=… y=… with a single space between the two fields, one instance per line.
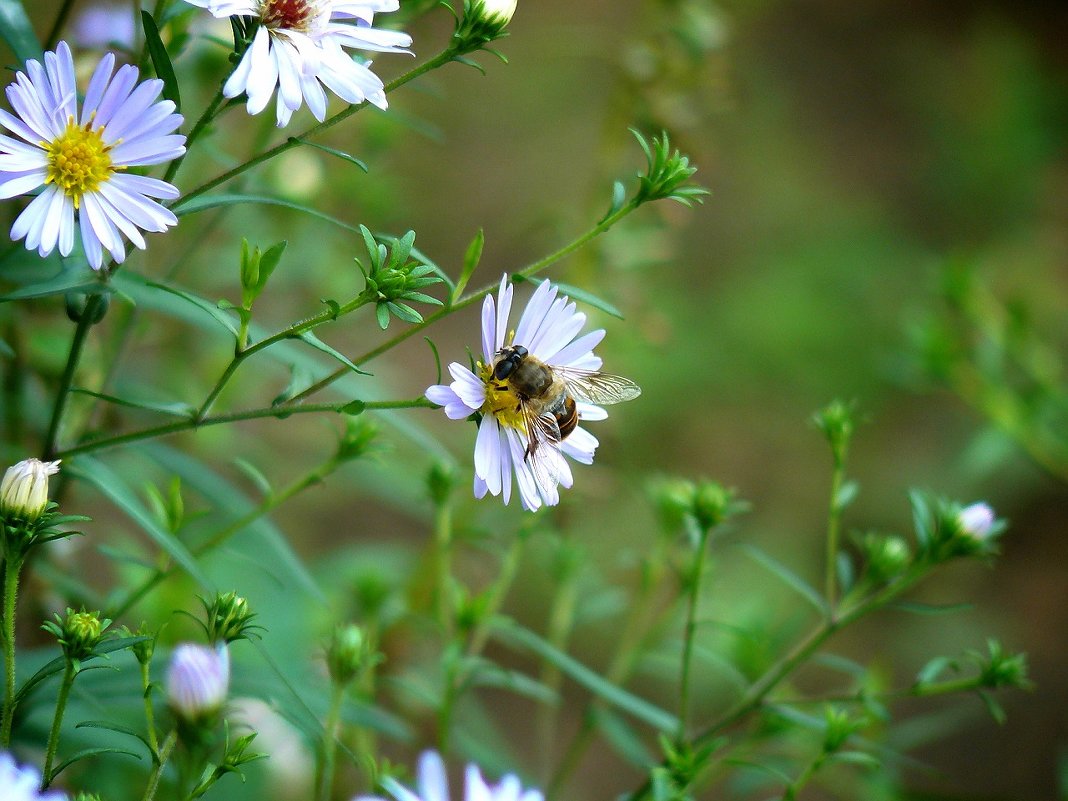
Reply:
x=588 y=411
x=488 y=327
x=467 y=386
x=15 y=185
x=580 y=445
x=97 y=84
x=488 y=454
x=569 y=355
x=115 y=95
x=534 y=313
x=90 y=243
x=433 y=784
x=475 y=788
x=508 y=789
x=238 y=79
x=504 y=308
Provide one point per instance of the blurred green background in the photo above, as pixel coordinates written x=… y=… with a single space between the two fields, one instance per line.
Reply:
x=853 y=150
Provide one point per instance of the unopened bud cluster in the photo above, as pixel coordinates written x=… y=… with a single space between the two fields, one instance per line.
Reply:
x=79 y=633
x=229 y=618
x=347 y=654
x=707 y=503
x=481 y=23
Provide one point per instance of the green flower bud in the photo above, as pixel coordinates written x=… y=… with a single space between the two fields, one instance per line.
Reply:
x=229 y=618
x=839 y=728
x=886 y=556
x=79 y=634
x=143 y=650
x=712 y=504
x=440 y=482
x=346 y=654
x=674 y=500
x=495 y=12
x=24 y=490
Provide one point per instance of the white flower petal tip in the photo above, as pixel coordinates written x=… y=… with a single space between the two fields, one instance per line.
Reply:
x=432 y=785
x=23 y=783
x=79 y=160
x=301 y=50
x=198 y=679
x=532 y=388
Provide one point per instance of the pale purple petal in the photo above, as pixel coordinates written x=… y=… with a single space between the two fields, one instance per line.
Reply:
x=582 y=347
x=433 y=784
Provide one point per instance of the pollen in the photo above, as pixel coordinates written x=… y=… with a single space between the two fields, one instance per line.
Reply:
x=288 y=14
x=79 y=161
x=501 y=401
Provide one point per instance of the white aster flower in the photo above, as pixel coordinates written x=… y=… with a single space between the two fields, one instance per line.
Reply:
x=977 y=521
x=23 y=784
x=198 y=679
x=433 y=785
x=299 y=48
x=80 y=161
x=547 y=329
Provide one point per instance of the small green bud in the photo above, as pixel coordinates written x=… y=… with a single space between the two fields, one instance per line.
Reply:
x=1001 y=669
x=24 y=490
x=143 y=650
x=837 y=421
x=79 y=634
x=968 y=531
x=440 y=481
x=674 y=498
x=886 y=555
x=839 y=729
x=712 y=504
x=229 y=618
x=347 y=654
x=358 y=440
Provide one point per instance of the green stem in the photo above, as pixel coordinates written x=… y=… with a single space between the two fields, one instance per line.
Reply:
x=57 y=26
x=790 y=792
x=443 y=565
x=442 y=58
x=280 y=411
x=561 y=623
x=76 y=345
x=834 y=523
x=161 y=762
x=53 y=735
x=690 y=631
x=12 y=566
x=292 y=331
x=150 y=715
x=473 y=297
x=221 y=536
x=330 y=735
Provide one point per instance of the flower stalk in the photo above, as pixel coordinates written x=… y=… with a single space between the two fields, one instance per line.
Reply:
x=12 y=567
x=57 y=720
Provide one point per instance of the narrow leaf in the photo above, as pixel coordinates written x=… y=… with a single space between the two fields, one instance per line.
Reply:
x=575 y=293
x=918 y=608
x=161 y=60
x=471 y=259
x=115 y=727
x=16 y=30
x=88 y=752
x=516 y=636
x=112 y=486
x=175 y=409
x=218 y=314
x=59 y=664
x=332 y=151
x=318 y=344
x=803 y=588
x=60 y=284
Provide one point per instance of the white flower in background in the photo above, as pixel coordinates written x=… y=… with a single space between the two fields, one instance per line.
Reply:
x=503 y=448
x=105 y=25
x=299 y=48
x=198 y=679
x=24 y=489
x=23 y=784
x=80 y=162
x=433 y=785
x=977 y=521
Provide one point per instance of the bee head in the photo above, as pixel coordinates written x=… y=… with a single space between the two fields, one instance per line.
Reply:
x=508 y=360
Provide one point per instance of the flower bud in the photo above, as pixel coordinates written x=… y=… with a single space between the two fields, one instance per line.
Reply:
x=712 y=504
x=79 y=634
x=498 y=12
x=24 y=489
x=886 y=556
x=198 y=678
x=229 y=618
x=345 y=654
x=977 y=521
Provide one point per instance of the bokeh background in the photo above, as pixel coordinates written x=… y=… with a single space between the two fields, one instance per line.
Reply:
x=853 y=150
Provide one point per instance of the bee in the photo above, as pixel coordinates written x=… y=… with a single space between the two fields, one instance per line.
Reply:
x=547 y=400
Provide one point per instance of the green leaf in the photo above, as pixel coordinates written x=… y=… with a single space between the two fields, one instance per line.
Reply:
x=318 y=344
x=353 y=408
x=332 y=151
x=112 y=486
x=382 y=315
x=205 y=202
x=515 y=635
x=856 y=758
x=935 y=668
x=403 y=311
x=223 y=495
x=161 y=60
x=619 y=197
x=256 y=476
x=60 y=284
x=88 y=752
x=16 y=30
x=993 y=707
x=108 y=725
x=803 y=588
x=622 y=737
x=586 y=297
x=300 y=378
x=175 y=409
x=269 y=261
x=59 y=664
x=213 y=309
x=472 y=256
x=918 y=608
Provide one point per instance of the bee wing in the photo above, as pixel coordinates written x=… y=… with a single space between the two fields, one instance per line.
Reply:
x=543 y=454
x=593 y=386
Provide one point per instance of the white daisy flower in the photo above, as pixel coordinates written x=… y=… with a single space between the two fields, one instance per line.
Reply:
x=298 y=48
x=433 y=785
x=80 y=161
x=511 y=440
x=23 y=784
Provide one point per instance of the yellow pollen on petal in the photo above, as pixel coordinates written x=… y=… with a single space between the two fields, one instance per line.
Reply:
x=79 y=161
x=500 y=401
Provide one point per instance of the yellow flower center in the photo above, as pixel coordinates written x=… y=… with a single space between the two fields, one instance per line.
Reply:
x=501 y=401
x=79 y=161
